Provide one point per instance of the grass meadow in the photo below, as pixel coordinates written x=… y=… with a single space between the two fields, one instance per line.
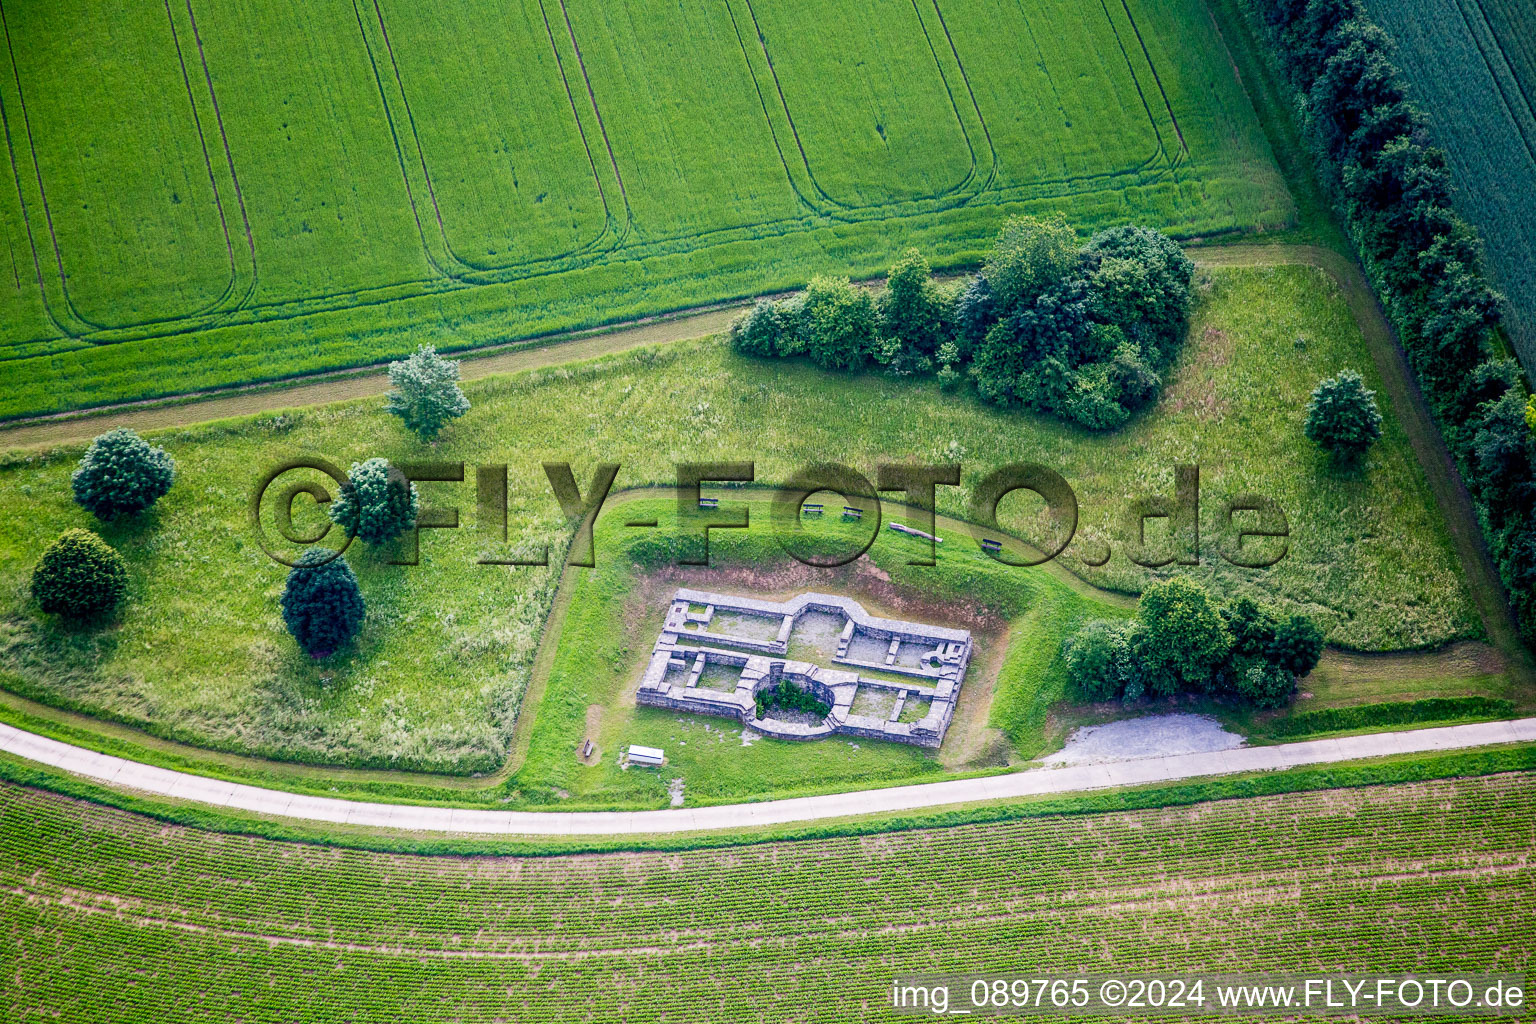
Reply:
x=242 y=193
x=437 y=678
x=166 y=923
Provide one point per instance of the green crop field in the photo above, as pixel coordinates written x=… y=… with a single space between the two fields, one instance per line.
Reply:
x=110 y=916
x=206 y=192
x=1472 y=65
x=437 y=679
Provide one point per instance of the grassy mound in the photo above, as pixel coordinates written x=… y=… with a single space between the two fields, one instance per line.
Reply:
x=440 y=670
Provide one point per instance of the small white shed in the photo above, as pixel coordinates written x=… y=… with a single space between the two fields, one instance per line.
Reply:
x=646 y=755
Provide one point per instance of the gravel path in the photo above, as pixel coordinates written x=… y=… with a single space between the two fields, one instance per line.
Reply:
x=1149 y=736
x=122 y=773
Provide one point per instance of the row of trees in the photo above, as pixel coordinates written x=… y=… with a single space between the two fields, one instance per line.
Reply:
x=1080 y=331
x=1182 y=641
x=1395 y=192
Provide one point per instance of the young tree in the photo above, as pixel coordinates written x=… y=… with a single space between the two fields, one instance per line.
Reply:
x=377 y=503
x=425 y=393
x=121 y=475
x=840 y=325
x=79 y=577
x=913 y=309
x=1342 y=417
x=1182 y=641
x=321 y=603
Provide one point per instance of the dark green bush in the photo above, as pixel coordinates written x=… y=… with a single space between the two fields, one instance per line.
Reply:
x=1100 y=660
x=1251 y=625
x=1138 y=281
x=377 y=503
x=1265 y=685
x=121 y=475
x=79 y=577
x=1297 y=644
x=321 y=603
x=1342 y=417
x=766 y=330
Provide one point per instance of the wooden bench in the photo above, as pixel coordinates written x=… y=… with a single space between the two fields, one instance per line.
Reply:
x=810 y=510
x=586 y=750
x=709 y=503
x=849 y=512
x=992 y=547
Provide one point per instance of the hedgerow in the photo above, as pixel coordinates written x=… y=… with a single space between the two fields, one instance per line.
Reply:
x=1081 y=332
x=1396 y=196
x=1408 y=712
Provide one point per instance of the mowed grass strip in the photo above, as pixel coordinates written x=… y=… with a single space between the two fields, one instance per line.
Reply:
x=483 y=172
x=1429 y=877
x=438 y=675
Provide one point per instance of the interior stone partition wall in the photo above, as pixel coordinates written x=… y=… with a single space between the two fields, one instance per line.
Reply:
x=752 y=649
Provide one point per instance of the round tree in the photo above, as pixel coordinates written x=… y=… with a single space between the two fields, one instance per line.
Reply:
x=377 y=503
x=121 y=475
x=1182 y=641
x=424 y=392
x=1297 y=645
x=1099 y=660
x=79 y=577
x=322 y=605
x=1342 y=417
